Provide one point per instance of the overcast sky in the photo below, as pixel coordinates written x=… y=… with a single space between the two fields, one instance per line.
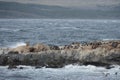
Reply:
x=75 y=3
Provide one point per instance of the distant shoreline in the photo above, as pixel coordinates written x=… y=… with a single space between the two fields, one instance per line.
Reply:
x=21 y=10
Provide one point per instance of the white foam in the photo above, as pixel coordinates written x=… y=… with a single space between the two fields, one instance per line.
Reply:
x=83 y=68
x=7 y=29
x=69 y=72
x=17 y=44
x=109 y=39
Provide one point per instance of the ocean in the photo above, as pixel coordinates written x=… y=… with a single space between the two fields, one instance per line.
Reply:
x=15 y=32
x=69 y=72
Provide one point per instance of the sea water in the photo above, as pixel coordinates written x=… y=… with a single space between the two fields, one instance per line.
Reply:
x=56 y=31
x=15 y=32
x=69 y=72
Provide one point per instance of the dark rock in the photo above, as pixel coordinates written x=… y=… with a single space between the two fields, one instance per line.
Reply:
x=13 y=52
x=3 y=59
x=109 y=66
x=97 y=64
x=20 y=67
x=54 y=47
x=116 y=73
x=12 y=67
x=114 y=44
x=37 y=67
x=14 y=59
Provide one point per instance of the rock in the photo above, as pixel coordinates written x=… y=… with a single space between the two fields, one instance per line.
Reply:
x=54 y=47
x=75 y=45
x=109 y=66
x=12 y=67
x=114 y=44
x=3 y=59
x=20 y=67
x=96 y=45
x=20 y=49
x=103 y=53
x=98 y=64
x=116 y=73
x=37 y=67
x=13 y=52
x=40 y=47
x=87 y=47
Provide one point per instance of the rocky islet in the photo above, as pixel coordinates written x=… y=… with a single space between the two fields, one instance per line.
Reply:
x=98 y=53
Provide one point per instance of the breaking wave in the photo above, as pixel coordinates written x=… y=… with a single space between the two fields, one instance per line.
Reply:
x=13 y=45
x=9 y=30
x=69 y=72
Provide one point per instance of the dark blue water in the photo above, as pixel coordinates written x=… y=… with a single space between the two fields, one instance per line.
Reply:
x=56 y=31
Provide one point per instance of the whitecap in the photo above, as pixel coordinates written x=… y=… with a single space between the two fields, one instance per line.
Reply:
x=7 y=29
x=4 y=29
x=107 y=39
x=83 y=68
x=69 y=72
x=17 y=44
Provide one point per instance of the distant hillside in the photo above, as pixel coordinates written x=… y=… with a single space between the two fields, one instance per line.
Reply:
x=19 y=10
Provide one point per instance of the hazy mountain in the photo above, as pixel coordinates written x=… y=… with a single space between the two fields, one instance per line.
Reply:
x=19 y=10
x=70 y=3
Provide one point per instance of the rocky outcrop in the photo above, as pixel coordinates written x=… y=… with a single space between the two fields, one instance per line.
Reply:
x=99 y=53
x=40 y=47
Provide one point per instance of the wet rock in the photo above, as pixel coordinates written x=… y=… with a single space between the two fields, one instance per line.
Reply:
x=109 y=66
x=13 y=52
x=116 y=73
x=54 y=47
x=12 y=67
x=37 y=67
x=95 y=53
x=3 y=59
x=21 y=68
x=97 y=64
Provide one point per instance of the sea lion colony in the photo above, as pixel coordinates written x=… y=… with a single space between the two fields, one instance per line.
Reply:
x=108 y=45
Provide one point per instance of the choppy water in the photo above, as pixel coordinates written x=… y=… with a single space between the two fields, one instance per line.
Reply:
x=14 y=32
x=56 y=31
x=69 y=72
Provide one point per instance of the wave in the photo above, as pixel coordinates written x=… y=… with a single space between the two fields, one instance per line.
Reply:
x=109 y=39
x=73 y=68
x=69 y=72
x=83 y=68
x=17 y=44
x=68 y=28
x=7 y=29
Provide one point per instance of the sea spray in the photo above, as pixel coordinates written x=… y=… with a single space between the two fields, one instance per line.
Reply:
x=14 y=45
x=69 y=72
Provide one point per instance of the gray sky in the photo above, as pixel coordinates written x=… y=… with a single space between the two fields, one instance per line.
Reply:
x=70 y=3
